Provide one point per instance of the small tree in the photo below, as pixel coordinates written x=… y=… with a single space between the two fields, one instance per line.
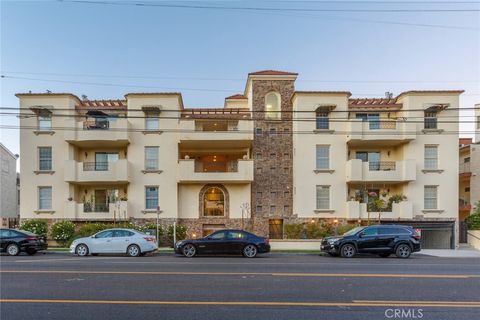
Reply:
x=63 y=232
x=473 y=221
x=37 y=226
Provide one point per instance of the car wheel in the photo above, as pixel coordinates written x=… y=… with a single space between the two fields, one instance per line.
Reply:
x=250 y=251
x=189 y=250
x=331 y=254
x=348 y=251
x=403 y=251
x=13 y=249
x=31 y=252
x=133 y=250
x=81 y=250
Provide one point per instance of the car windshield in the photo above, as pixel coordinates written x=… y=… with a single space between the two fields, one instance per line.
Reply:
x=28 y=233
x=353 y=231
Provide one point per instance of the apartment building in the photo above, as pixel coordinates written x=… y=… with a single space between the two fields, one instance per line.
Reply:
x=8 y=185
x=271 y=156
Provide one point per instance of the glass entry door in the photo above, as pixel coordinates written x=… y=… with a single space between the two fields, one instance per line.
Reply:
x=101 y=204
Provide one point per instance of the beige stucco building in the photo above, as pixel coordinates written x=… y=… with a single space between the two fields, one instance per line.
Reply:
x=271 y=156
x=8 y=188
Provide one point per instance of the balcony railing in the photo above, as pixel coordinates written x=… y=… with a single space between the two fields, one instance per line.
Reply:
x=216 y=166
x=381 y=165
x=96 y=207
x=464 y=167
x=96 y=125
x=95 y=166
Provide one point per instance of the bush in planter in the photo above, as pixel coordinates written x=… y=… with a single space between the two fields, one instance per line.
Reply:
x=63 y=232
x=37 y=226
x=315 y=231
x=294 y=231
x=473 y=221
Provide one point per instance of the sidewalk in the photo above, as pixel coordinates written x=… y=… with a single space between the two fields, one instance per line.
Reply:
x=462 y=252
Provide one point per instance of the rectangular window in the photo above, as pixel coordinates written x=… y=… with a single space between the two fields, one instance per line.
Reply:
x=151 y=197
x=323 y=156
x=45 y=158
x=151 y=122
x=273 y=131
x=431 y=157
x=258 y=209
x=467 y=189
x=259 y=170
x=258 y=131
x=430 y=120
x=45 y=121
x=259 y=155
x=466 y=160
x=259 y=194
x=273 y=195
x=286 y=170
x=273 y=169
x=151 y=158
x=430 y=197
x=286 y=209
x=322 y=120
x=286 y=194
x=273 y=155
x=323 y=197
x=273 y=209
x=44 y=198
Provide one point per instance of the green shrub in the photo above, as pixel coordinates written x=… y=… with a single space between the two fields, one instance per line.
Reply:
x=89 y=229
x=473 y=221
x=314 y=231
x=345 y=228
x=181 y=233
x=37 y=226
x=63 y=232
x=294 y=231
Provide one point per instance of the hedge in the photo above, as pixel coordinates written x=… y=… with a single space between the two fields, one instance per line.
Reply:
x=63 y=232
x=37 y=226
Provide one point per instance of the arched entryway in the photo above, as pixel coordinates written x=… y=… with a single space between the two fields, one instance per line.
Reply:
x=213 y=201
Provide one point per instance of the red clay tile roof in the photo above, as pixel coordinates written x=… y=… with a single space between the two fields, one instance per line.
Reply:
x=237 y=97
x=374 y=103
x=272 y=73
x=103 y=104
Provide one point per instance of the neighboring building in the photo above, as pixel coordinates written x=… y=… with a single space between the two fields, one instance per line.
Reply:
x=8 y=192
x=270 y=157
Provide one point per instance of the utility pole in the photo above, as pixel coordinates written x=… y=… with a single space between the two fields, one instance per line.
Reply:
x=174 y=232
x=158 y=225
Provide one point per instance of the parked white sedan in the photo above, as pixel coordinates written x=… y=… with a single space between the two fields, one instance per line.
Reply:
x=127 y=241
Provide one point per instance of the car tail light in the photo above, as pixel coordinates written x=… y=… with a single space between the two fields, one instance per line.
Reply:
x=149 y=239
x=31 y=239
x=267 y=241
x=417 y=234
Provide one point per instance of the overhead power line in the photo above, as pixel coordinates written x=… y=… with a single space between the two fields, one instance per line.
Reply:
x=112 y=76
x=230 y=91
x=266 y=133
x=270 y=9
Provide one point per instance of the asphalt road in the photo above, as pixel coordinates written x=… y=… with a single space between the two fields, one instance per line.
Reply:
x=272 y=286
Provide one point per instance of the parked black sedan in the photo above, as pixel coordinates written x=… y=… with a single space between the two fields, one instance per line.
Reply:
x=383 y=240
x=224 y=242
x=14 y=241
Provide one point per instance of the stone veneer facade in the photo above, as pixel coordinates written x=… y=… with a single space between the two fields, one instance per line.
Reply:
x=273 y=165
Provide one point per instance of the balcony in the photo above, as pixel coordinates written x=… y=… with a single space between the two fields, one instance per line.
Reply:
x=98 y=133
x=96 y=172
x=382 y=171
x=357 y=210
x=237 y=171
x=464 y=169
x=380 y=132
x=464 y=205
x=217 y=130
x=86 y=211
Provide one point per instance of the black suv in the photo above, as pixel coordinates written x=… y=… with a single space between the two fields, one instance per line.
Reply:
x=379 y=239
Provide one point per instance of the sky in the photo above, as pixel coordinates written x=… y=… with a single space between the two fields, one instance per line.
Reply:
x=104 y=49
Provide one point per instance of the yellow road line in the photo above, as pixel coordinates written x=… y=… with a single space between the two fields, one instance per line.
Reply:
x=275 y=274
x=445 y=304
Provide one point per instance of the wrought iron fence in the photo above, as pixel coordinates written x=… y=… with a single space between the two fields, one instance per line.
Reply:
x=96 y=207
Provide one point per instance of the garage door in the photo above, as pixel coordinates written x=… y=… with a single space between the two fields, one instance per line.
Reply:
x=436 y=238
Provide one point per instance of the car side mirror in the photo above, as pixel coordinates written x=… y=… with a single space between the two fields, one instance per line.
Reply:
x=92 y=236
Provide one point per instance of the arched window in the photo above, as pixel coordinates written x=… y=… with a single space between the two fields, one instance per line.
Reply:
x=272 y=106
x=213 y=202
